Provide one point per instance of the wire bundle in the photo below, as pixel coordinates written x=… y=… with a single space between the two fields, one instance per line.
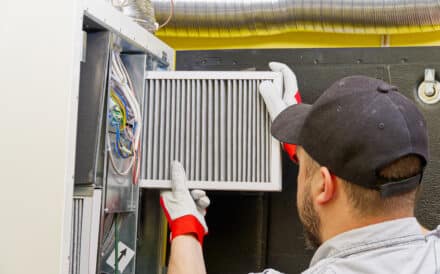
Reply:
x=125 y=118
x=141 y=11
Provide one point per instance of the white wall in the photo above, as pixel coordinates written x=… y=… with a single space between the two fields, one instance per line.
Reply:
x=37 y=100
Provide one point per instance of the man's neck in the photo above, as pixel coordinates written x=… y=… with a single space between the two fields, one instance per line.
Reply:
x=341 y=225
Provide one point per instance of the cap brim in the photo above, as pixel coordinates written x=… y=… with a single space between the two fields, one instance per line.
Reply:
x=288 y=124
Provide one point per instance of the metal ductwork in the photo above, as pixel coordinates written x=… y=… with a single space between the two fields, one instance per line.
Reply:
x=229 y=18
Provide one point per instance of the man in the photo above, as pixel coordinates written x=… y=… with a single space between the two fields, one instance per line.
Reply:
x=362 y=149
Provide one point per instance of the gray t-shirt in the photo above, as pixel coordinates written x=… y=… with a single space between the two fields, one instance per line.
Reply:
x=397 y=246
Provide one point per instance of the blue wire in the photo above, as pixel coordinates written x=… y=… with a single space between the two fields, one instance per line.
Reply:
x=117 y=149
x=134 y=126
x=115 y=144
x=122 y=98
x=117 y=125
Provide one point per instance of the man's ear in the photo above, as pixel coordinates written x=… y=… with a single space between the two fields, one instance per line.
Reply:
x=327 y=188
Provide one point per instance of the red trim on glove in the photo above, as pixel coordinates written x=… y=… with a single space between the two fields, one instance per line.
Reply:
x=188 y=224
x=290 y=149
x=298 y=97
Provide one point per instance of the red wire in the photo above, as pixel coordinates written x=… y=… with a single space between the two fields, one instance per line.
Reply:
x=136 y=168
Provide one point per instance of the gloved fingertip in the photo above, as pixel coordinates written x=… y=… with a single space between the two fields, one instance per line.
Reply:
x=277 y=66
x=204 y=202
x=197 y=193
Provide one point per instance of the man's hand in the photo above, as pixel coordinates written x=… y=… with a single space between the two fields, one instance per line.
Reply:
x=275 y=102
x=185 y=211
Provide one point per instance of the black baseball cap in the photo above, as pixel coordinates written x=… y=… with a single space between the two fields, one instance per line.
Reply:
x=356 y=127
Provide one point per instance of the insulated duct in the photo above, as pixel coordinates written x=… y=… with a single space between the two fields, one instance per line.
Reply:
x=234 y=18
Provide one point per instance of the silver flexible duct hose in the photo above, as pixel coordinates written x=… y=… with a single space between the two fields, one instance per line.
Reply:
x=229 y=18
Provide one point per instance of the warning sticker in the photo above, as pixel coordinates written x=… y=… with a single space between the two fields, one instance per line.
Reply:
x=124 y=257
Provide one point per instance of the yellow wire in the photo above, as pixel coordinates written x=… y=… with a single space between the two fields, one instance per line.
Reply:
x=164 y=234
x=121 y=106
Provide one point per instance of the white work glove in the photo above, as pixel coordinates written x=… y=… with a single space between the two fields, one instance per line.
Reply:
x=277 y=102
x=185 y=210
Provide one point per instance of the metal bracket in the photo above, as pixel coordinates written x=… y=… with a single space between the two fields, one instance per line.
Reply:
x=429 y=90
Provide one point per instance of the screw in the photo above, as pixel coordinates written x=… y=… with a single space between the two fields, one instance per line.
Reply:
x=430 y=90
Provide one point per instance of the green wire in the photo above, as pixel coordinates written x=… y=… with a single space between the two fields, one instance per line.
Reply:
x=116 y=244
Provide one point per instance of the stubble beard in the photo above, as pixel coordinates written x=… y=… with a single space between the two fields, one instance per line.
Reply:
x=310 y=221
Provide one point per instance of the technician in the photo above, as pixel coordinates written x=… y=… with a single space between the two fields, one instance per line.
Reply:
x=361 y=149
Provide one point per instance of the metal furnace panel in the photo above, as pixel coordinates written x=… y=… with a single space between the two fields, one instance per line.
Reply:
x=93 y=84
x=121 y=193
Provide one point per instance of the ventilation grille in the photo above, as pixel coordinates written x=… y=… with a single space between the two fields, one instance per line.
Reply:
x=215 y=124
x=86 y=214
x=76 y=236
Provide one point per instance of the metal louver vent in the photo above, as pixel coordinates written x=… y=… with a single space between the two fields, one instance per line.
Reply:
x=215 y=124
x=85 y=232
x=76 y=236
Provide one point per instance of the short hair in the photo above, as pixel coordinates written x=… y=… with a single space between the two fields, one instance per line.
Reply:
x=369 y=202
x=311 y=166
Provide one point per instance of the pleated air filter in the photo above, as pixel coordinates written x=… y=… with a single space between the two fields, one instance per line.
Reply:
x=216 y=124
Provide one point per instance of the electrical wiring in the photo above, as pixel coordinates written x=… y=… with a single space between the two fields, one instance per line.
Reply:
x=118 y=120
x=135 y=174
x=124 y=83
x=125 y=117
x=123 y=100
x=131 y=100
x=121 y=172
x=122 y=108
x=122 y=151
x=169 y=17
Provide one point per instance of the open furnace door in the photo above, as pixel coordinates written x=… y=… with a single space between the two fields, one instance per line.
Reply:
x=216 y=124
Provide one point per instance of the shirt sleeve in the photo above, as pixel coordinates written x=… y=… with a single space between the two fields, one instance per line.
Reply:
x=320 y=270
